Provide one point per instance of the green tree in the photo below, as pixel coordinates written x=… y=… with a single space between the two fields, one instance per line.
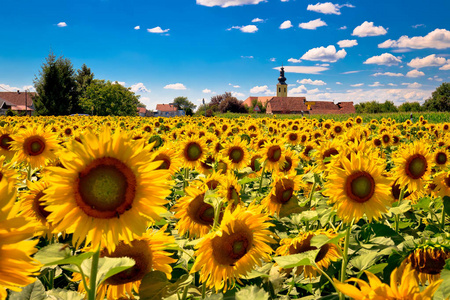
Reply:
x=56 y=87
x=410 y=106
x=184 y=104
x=109 y=99
x=389 y=106
x=83 y=78
x=440 y=99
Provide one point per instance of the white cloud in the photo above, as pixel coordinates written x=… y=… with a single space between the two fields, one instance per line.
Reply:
x=418 y=25
x=175 y=86
x=337 y=82
x=286 y=24
x=388 y=74
x=435 y=78
x=327 y=8
x=237 y=94
x=273 y=59
x=122 y=83
x=312 y=24
x=445 y=67
x=206 y=91
x=313 y=91
x=375 y=84
x=294 y=60
x=61 y=24
x=246 y=29
x=227 y=3
x=257 y=20
x=415 y=73
x=31 y=88
x=157 y=29
x=298 y=90
x=437 y=39
x=8 y=88
x=139 y=88
x=248 y=56
x=327 y=54
x=137 y=27
x=414 y=85
x=303 y=69
x=264 y=89
x=357 y=84
x=311 y=82
x=234 y=85
x=367 y=29
x=343 y=27
x=428 y=61
x=386 y=59
x=392 y=84
x=350 y=72
x=347 y=43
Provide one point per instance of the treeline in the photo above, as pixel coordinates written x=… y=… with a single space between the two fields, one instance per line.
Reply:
x=439 y=101
x=226 y=102
x=63 y=91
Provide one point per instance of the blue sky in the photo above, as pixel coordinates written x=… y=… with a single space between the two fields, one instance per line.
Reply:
x=358 y=50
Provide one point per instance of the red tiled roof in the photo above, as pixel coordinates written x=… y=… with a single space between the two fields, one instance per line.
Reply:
x=166 y=107
x=324 y=105
x=287 y=104
x=142 y=110
x=13 y=98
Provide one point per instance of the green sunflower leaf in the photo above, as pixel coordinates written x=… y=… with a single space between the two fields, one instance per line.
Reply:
x=252 y=292
x=153 y=286
x=446 y=201
x=107 y=267
x=302 y=259
x=33 y=291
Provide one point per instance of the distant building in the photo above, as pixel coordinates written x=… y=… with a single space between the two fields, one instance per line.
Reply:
x=282 y=104
x=18 y=102
x=168 y=110
x=142 y=111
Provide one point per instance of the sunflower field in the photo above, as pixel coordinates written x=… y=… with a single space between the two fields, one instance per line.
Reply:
x=217 y=208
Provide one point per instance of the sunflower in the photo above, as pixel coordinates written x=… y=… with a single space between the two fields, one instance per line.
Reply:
x=195 y=216
x=326 y=151
x=291 y=161
x=283 y=190
x=230 y=190
x=108 y=189
x=212 y=181
x=427 y=261
x=328 y=253
x=442 y=182
x=15 y=247
x=7 y=172
x=406 y=288
x=292 y=137
x=168 y=158
x=6 y=134
x=236 y=153
x=441 y=159
x=35 y=146
x=241 y=242
x=193 y=151
x=413 y=166
x=272 y=155
x=306 y=153
x=358 y=188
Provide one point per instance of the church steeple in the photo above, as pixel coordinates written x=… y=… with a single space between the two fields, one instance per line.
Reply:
x=282 y=86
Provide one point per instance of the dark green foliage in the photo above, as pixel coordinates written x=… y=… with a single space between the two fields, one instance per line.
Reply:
x=56 y=88
x=372 y=107
x=109 y=99
x=184 y=104
x=232 y=104
x=410 y=106
x=440 y=99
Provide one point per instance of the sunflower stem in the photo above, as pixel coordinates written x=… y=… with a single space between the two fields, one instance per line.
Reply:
x=186 y=175
x=93 y=277
x=261 y=180
x=345 y=258
x=29 y=173
x=86 y=286
x=397 y=217
x=203 y=289
x=216 y=223
x=443 y=215
x=185 y=292
x=327 y=276
x=311 y=193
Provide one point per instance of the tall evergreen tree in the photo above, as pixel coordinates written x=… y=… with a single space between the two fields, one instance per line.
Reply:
x=56 y=87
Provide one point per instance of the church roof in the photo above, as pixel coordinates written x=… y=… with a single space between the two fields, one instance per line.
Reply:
x=286 y=104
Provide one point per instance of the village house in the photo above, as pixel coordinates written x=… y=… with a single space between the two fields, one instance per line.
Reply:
x=18 y=102
x=168 y=110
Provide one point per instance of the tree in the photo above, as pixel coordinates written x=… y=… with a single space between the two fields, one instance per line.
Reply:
x=109 y=99
x=389 y=106
x=440 y=99
x=83 y=78
x=184 y=104
x=232 y=104
x=410 y=106
x=56 y=87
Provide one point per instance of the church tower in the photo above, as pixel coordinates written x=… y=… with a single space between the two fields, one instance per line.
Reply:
x=282 y=86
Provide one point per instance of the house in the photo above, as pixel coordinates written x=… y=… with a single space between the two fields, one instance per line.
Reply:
x=18 y=102
x=141 y=111
x=168 y=110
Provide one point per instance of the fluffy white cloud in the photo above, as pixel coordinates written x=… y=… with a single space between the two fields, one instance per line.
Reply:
x=337 y=82
x=175 y=86
x=286 y=24
x=435 y=78
x=386 y=59
x=437 y=39
x=248 y=56
x=294 y=60
x=234 y=85
x=61 y=24
x=311 y=82
x=415 y=73
x=246 y=29
x=227 y=3
x=428 y=61
x=139 y=88
x=347 y=43
x=357 y=84
x=414 y=85
x=157 y=29
x=273 y=59
x=445 y=67
x=303 y=69
x=206 y=91
x=375 y=84
x=327 y=8
x=312 y=24
x=388 y=74
x=343 y=27
x=327 y=54
x=298 y=90
x=350 y=72
x=237 y=94
x=257 y=20
x=8 y=88
x=137 y=27
x=367 y=29
x=264 y=89
x=418 y=25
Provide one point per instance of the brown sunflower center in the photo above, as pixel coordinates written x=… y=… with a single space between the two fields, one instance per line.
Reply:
x=236 y=154
x=207 y=164
x=228 y=249
x=39 y=206
x=138 y=251
x=233 y=194
x=193 y=151
x=307 y=150
x=5 y=141
x=165 y=162
x=441 y=158
x=328 y=153
x=34 y=145
x=322 y=252
x=447 y=180
x=274 y=153
x=212 y=184
x=360 y=186
x=284 y=191
x=201 y=212
x=377 y=142
x=293 y=137
x=386 y=138
x=287 y=164
x=429 y=261
x=106 y=188
x=337 y=129
x=68 y=131
x=255 y=164
x=416 y=166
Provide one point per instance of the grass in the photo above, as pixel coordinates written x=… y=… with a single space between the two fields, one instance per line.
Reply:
x=432 y=117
